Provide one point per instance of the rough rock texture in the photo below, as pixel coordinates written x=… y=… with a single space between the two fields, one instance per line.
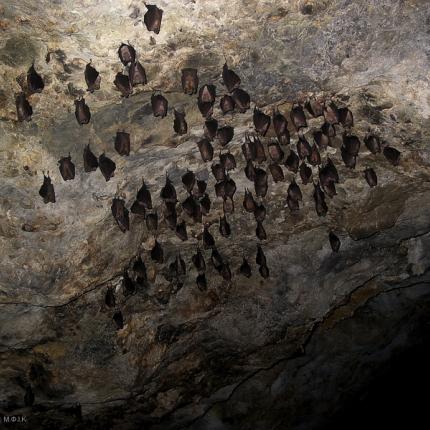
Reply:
x=254 y=354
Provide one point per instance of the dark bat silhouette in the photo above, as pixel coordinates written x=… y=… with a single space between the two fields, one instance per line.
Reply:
x=260 y=258
x=276 y=172
x=67 y=168
x=250 y=171
x=211 y=128
x=35 y=82
x=226 y=104
x=371 y=178
x=241 y=99
x=110 y=298
x=248 y=202
x=303 y=148
x=152 y=221
x=261 y=122
x=144 y=196
x=122 y=143
x=334 y=242
x=207 y=94
x=90 y=160
x=292 y=204
x=199 y=261
x=320 y=204
x=292 y=162
x=249 y=149
x=159 y=105
x=216 y=259
x=190 y=206
x=228 y=161
x=328 y=129
x=218 y=171
x=331 y=115
x=205 y=108
x=24 y=110
x=224 y=227
x=280 y=125
x=264 y=271
x=314 y=158
x=392 y=155
x=201 y=282
x=205 y=204
x=120 y=213
x=373 y=143
x=260 y=212
x=245 y=268
x=123 y=84
x=345 y=117
x=168 y=192
x=137 y=74
x=348 y=158
x=294 y=191
x=157 y=253
x=92 y=78
x=298 y=117
x=152 y=18
x=230 y=78
x=46 y=191
x=189 y=180
x=228 y=205
x=314 y=107
x=82 y=112
x=305 y=173
x=351 y=144
x=225 y=135
x=260 y=182
x=207 y=238
x=181 y=231
x=275 y=151
x=321 y=139
x=206 y=150
x=119 y=320
x=190 y=81
x=29 y=396
x=179 y=124
x=107 y=167
x=260 y=152
x=260 y=232
x=127 y=54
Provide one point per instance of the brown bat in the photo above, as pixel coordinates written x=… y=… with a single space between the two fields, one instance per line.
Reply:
x=276 y=172
x=260 y=182
x=24 y=110
x=138 y=208
x=250 y=170
x=371 y=178
x=199 y=261
x=144 y=196
x=260 y=258
x=216 y=259
x=157 y=253
x=207 y=94
x=230 y=78
x=264 y=271
x=205 y=108
x=226 y=104
x=334 y=242
x=298 y=117
x=345 y=117
x=305 y=173
x=248 y=202
x=110 y=298
x=179 y=124
x=314 y=157
x=35 y=82
x=122 y=143
x=220 y=189
x=260 y=232
x=206 y=150
x=120 y=213
x=373 y=143
x=292 y=204
x=67 y=168
x=123 y=84
x=331 y=114
x=261 y=122
x=170 y=215
x=211 y=128
x=333 y=171
x=351 y=144
x=127 y=54
x=229 y=187
x=348 y=158
x=189 y=205
x=225 y=135
x=294 y=191
x=292 y=162
x=107 y=167
x=280 y=124
x=189 y=180
x=47 y=191
x=152 y=18
x=159 y=105
x=92 y=78
x=224 y=227
x=201 y=282
x=260 y=213
x=249 y=149
x=228 y=205
x=137 y=74
x=190 y=81
x=314 y=107
x=275 y=151
x=303 y=148
x=321 y=139
x=200 y=189
x=329 y=130
x=392 y=155
x=245 y=268
x=181 y=231
x=168 y=192
x=152 y=221
x=218 y=171
x=327 y=180
x=228 y=161
x=82 y=112
x=320 y=204
x=205 y=204
x=207 y=238
x=241 y=100
x=225 y=271
x=260 y=152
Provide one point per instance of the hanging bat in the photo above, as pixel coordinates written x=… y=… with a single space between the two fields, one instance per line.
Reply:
x=24 y=110
x=314 y=158
x=249 y=149
x=294 y=191
x=314 y=107
x=298 y=117
x=224 y=227
x=181 y=231
x=123 y=84
x=228 y=161
x=157 y=253
x=225 y=135
x=35 y=82
x=159 y=105
x=152 y=18
x=206 y=150
x=228 y=205
x=260 y=213
x=261 y=122
x=248 y=202
x=371 y=178
x=82 y=112
x=351 y=144
x=245 y=268
x=199 y=261
x=107 y=167
x=250 y=171
x=305 y=173
x=275 y=151
x=292 y=162
x=303 y=148
x=218 y=171
x=241 y=99
x=47 y=191
x=328 y=129
x=264 y=271
x=260 y=152
x=205 y=108
x=392 y=155
x=179 y=124
x=320 y=204
x=345 y=117
x=189 y=180
x=119 y=320
x=90 y=160
x=137 y=74
x=92 y=78
x=67 y=168
x=276 y=172
x=331 y=114
x=207 y=238
x=230 y=78
x=373 y=143
x=207 y=94
x=205 y=204
x=260 y=182
x=260 y=258
x=211 y=128
x=201 y=282
x=321 y=139
x=226 y=104
x=280 y=124
x=168 y=192
x=127 y=54
x=348 y=158
x=120 y=213
x=122 y=143
x=190 y=81
x=334 y=242
x=260 y=232
x=110 y=298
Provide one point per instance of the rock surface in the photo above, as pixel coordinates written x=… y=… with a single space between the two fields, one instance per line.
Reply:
x=253 y=353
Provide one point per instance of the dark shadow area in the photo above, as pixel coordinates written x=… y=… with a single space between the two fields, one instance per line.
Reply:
x=396 y=398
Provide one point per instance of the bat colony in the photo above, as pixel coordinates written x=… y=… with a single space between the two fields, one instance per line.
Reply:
x=255 y=151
